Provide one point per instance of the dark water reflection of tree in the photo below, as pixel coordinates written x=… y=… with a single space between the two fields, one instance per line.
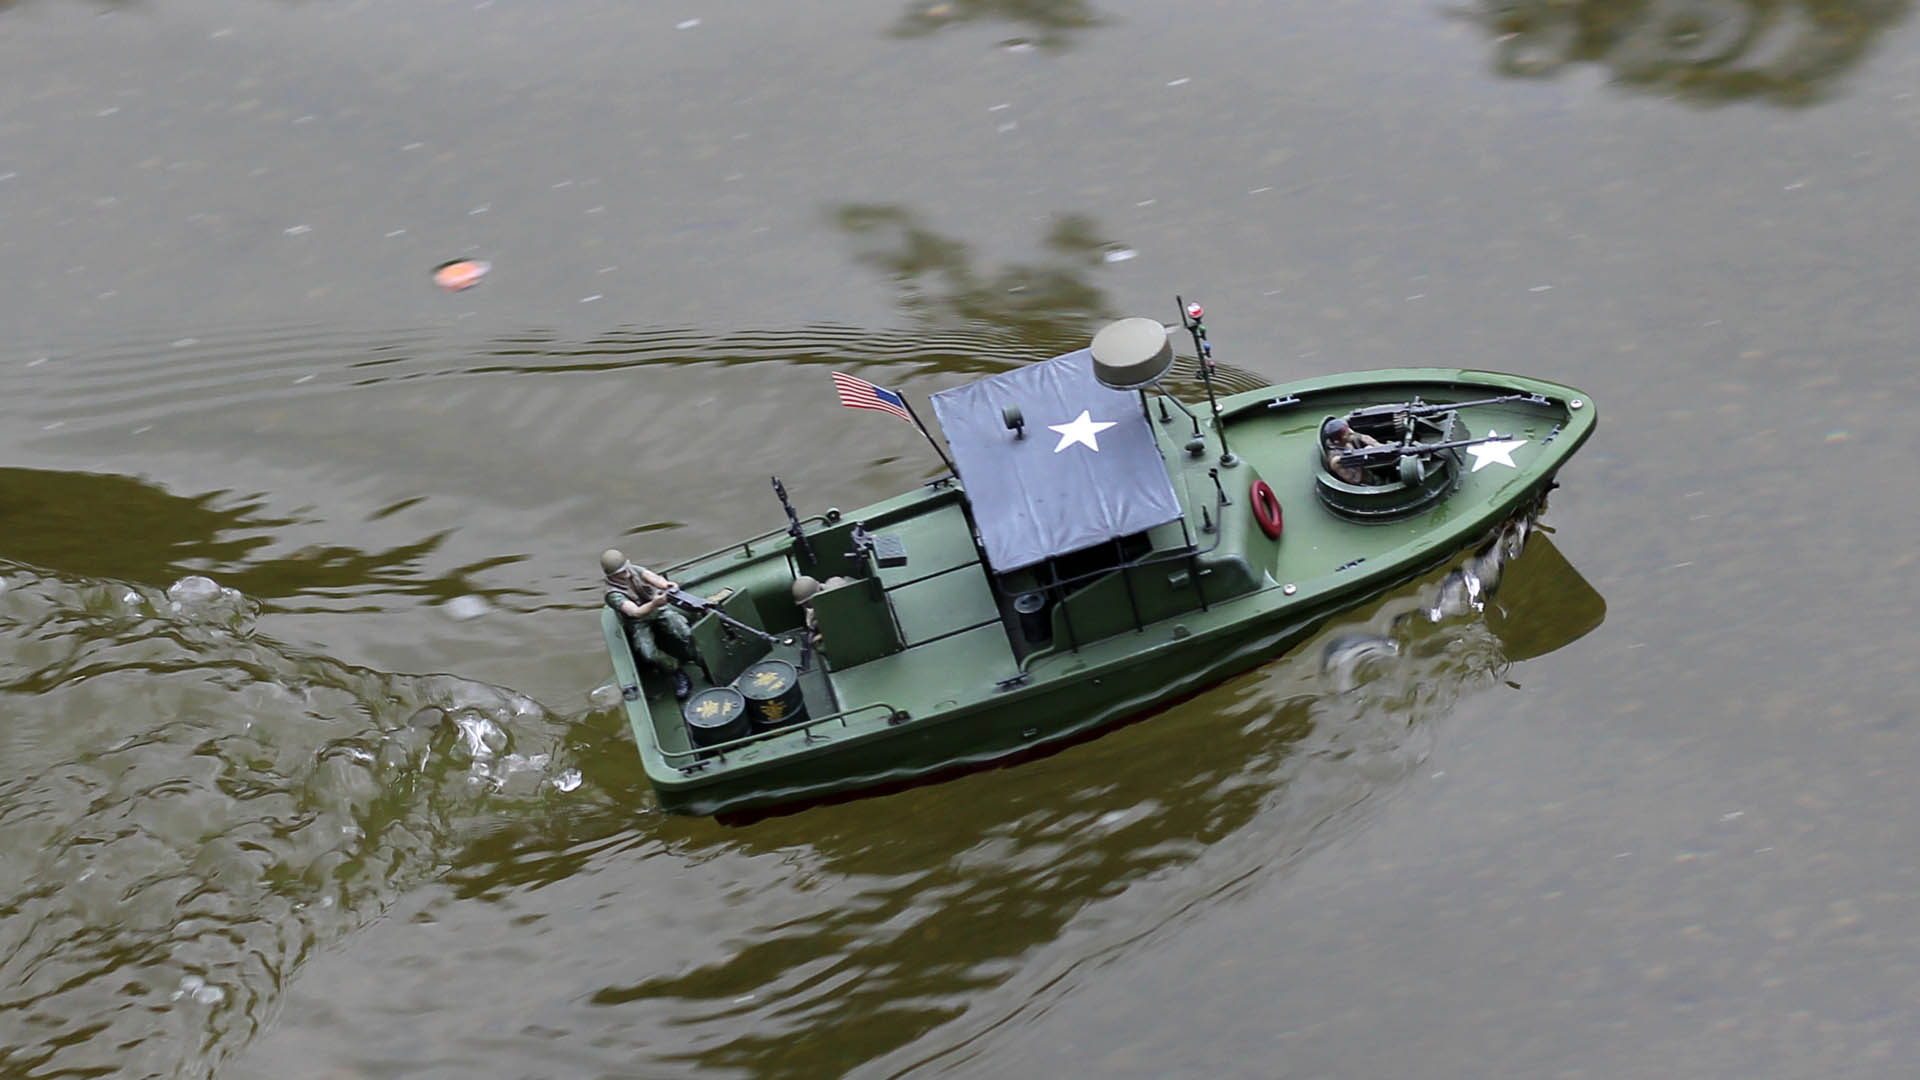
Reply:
x=1031 y=309
x=96 y=525
x=1784 y=52
x=1051 y=304
x=1052 y=21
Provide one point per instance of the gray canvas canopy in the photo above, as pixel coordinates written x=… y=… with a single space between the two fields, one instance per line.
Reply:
x=1088 y=470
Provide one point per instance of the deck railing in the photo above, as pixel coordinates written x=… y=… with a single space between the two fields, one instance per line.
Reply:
x=745 y=546
x=696 y=759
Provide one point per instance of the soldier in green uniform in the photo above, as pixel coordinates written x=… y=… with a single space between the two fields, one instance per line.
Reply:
x=1338 y=436
x=660 y=634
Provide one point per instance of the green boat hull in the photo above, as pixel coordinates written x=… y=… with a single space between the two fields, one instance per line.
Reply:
x=943 y=672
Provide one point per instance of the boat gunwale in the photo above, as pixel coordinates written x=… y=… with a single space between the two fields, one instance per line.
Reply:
x=1326 y=602
x=1257 y=402
x=1289 y=631
x=745 y=546
x=805 y=726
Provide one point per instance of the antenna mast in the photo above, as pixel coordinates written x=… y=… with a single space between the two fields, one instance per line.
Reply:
x=1190 y=315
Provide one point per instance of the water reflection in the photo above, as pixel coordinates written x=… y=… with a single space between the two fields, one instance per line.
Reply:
x=1787 y=52
x=104 y=5
x=1053 y=305
x=1052 y=21
x=1019 y=311
x=97 y=525
x=852 y=932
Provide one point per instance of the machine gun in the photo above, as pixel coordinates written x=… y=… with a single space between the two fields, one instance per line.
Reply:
x=793 y=524
x=697 y=606
x=1369 y=454
x=1418 y=408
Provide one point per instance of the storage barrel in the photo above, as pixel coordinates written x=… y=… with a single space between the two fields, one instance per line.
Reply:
x=715 y=715
x=772 y=692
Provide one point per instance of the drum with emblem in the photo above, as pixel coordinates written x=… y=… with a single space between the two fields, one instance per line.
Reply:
x=715 y=715
x=772 y=692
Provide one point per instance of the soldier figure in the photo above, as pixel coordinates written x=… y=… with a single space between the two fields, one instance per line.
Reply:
x=660 y=635
x=805 y=588
x=1337 y=436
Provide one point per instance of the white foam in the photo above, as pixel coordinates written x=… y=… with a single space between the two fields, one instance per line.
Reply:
x=462 y=608
x=482 y=736
x=192 y=589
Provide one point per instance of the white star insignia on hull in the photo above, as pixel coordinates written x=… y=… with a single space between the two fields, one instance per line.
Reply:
x=1495 y=453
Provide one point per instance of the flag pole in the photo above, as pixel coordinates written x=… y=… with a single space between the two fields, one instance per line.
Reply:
x=930 y=439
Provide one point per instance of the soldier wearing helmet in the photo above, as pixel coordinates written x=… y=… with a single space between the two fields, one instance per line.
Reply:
x=660 y=634
x=1336 y=437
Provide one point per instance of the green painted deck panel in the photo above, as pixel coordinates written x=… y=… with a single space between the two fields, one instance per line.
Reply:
x=963 y=667
x=937 y=540
x=1316 y=544
x=941 y=605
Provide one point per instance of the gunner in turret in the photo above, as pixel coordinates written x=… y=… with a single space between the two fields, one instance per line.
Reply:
x=660 y=634
x=1336 y=437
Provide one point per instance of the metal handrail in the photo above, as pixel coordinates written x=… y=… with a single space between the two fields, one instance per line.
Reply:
x=719 y=749
x=1001 y=588
x=746 y=546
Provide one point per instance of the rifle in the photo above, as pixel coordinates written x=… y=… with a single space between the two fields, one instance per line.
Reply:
x=699 y=605
x=1402 y=449
x=793 y=524
x=1416 y=408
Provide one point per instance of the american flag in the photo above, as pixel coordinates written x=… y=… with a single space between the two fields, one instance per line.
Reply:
x=861 y=394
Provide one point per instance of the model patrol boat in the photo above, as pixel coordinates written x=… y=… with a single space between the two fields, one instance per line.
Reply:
x=1097 y=549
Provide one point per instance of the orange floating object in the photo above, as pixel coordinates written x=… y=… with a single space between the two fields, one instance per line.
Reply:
x=460 y=274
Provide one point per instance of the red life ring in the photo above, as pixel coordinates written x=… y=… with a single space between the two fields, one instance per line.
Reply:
x=1266 y=508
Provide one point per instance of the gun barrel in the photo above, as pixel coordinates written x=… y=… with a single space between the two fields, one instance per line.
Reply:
x=793 y=522
x=686 y=601
x=1401 y=449
x=1430 y=408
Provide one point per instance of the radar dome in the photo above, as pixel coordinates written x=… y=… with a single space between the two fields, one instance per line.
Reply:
x=1131 y=354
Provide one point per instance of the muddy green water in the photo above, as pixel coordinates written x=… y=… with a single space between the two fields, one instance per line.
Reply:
x=357 y=811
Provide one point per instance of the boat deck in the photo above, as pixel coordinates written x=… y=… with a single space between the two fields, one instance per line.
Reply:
x=925 y=678
x=943 y=589
x=949 y=616
x=1317 y=543
x=939 y=539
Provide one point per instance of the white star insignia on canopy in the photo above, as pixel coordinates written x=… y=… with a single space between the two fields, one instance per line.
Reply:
x=1494 y=453
x=1081 y=430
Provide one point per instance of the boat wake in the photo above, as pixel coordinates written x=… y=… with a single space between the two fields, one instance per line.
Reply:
x=1351 y=659
x=193 y=810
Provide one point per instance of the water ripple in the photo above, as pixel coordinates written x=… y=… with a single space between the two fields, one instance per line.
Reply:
x=133 y=384
x=163 y=878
